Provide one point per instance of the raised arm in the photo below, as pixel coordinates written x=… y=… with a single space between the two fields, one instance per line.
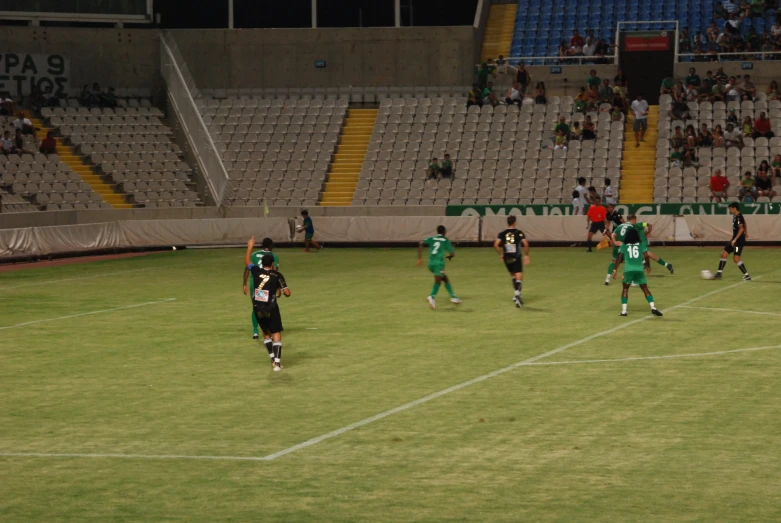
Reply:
x=247 y=256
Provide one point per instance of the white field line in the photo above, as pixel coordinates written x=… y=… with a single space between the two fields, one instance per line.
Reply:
x=270 y=457
x=735 y=310
x=51 y=282
x=86 y=314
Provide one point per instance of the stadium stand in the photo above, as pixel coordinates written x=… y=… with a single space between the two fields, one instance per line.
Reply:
x=276 y=151
x=127 y=149
x=499 y=30
x=689 y=184
x=502 y=155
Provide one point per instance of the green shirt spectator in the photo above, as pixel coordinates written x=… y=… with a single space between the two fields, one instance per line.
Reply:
x=693 y=78
x=447 y=164
x=668 y=84
x=676 y=156
x=593 y=80
x=605 y=92
x=747 y=182
x=483 y=73
x=563 y=127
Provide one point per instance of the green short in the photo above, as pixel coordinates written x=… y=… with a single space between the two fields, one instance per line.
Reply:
x=309 y=235
x=637 y=277
x=437 y=268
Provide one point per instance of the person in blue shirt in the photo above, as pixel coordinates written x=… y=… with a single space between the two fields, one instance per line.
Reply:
x=309 y=232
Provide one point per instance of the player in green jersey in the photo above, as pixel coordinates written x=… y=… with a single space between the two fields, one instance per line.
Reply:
x=619 y=233
x=256 y=257
x=633 y=253
x=641 y=228
x=439 y=248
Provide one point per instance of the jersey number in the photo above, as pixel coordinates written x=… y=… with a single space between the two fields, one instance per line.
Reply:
x=264 y=278
x=436 y=248
x=633 y=251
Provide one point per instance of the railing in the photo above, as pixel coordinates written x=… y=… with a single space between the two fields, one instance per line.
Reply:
x=134 y=11
x=204 y=149
x=745 y=56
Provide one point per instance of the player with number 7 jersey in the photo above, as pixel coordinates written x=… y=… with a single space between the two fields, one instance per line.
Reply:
x=266 y=285
x=633 y=253
x=439 y=249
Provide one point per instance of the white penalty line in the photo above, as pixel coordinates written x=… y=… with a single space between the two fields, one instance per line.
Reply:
x=734 y=310
x=87 y=313
x=377 y=417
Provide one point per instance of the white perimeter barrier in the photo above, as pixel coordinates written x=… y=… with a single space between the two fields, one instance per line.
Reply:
x=37 y=241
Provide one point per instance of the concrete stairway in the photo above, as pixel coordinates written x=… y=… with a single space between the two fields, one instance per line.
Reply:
x=348 y=159
x=638 y=165
x=499 y=29
x=74 y=161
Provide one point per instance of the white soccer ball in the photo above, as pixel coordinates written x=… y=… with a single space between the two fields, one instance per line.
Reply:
x=706 y=275
x=299 y=228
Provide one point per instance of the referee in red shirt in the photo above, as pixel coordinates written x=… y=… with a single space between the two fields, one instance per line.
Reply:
x=596 y=220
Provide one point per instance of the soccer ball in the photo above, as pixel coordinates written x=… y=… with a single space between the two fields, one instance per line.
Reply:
x=706 y=275
x=299 y=228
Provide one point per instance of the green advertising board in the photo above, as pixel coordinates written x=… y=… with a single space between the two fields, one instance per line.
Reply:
x=640 y=209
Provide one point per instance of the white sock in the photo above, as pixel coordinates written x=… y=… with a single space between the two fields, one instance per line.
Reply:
x=623 y=307
x=517 y=293
x=608 y=277
x=652 y=304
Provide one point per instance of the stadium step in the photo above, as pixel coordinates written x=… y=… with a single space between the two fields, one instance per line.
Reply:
x=499 y=29
x=638 y=165
x=75 y=162
x=346 y=168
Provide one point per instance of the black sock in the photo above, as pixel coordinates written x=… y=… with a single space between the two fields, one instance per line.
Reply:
x=269 y=347
x=588 y=243
x=742 y=268
x=722 y=264
x=277 y=351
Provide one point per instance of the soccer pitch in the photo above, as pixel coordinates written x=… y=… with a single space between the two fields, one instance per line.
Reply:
x=131 y=390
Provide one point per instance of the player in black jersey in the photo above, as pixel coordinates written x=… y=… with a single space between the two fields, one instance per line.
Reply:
x=736 y=244
x=613 y=216
x=268 y=285
x=508 y=245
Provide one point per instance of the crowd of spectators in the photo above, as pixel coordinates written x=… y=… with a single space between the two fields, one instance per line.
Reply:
x=585 y=50
x=583 y=196
x=718 y=87
x=96 y=97
x=729 y=38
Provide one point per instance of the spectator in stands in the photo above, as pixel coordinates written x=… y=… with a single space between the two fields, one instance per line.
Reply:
x=718 y=138
x=668 y=84
x=576 y=44
x=705 y=137
x=698 y=40
x=577 y=131
x=764 y=184
x=582 y=192
x=49 y=98
x=772 y=91
x=446 y=169
x=676 y=157
x=108 y=99
x=731 y=90
x=699 y=54
x=747 y=128
x=523 y=77
x=593 y=80
x=589 y=129
x=679 y=92
x=757 y=8
x=747 y=88
x=474 y=98
x=748 y=190
x=432 y=173
x=721 y=75
x=488 y=95
x=684 y=41
x=539 y=95
x=776 y=165
x=679 y=110
x=589 y=49
x=48 y=144
x=762 y=127
x=724 y=41
x=36 y=99
x=560 y=141
x=678 y=139
x=19 y=143
x=514 y=95
x=619 y=89
x=94 y=96
x=616 y=113
x=717 y=92
x=562 y=126
x=692 y=94
x=483 y=73
x=707 y=84
x=84 y=96
x=712 y=32
x=733 y=137
x=620 y=78
x=718 y=186
x=581 y=101
x=640 y=108
x=606 y=92
x=593 y=98
x=25 y=126
x=592 y=195
x=732 y=117
x=693 y=78
x=563 y=52
x=7 y=105
x=8 y=143
x=577 y=206
x=501 y=65
x=601 y=52
x=609 y=196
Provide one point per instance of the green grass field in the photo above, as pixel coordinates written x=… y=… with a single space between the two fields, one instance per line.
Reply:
x=684 y=438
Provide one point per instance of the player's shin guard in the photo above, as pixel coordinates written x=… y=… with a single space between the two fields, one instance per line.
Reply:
x=435 y=289
x=269 y=347
x=277 y=351
x=450 y=289
x=742 y=268
x=518 y=285
x=255 y=325
x=624 y=302
x=722 y=264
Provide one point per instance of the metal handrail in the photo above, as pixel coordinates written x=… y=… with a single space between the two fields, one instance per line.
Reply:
x=744 y=54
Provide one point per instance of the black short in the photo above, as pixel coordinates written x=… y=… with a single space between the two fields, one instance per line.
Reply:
x=270 y=321
x=514 y=265
x=737 y=249
x=597 y=227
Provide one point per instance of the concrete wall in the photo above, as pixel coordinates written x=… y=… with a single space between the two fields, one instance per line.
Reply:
x=116 y=57
x=50 y=218
x=355 y=56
